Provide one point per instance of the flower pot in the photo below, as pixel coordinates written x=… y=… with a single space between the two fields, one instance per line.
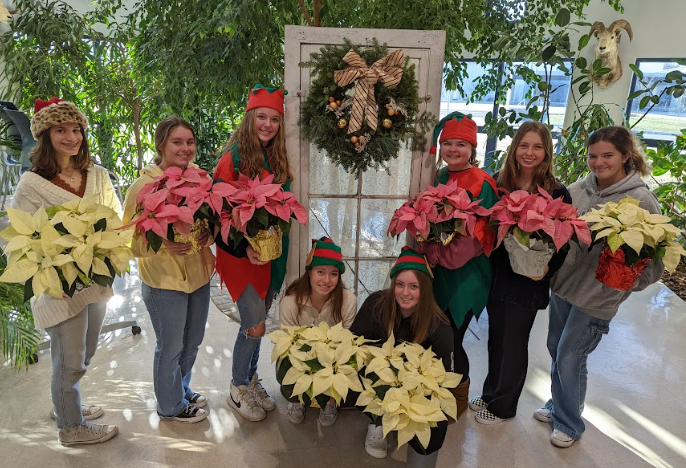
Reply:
x=528 y=261
x=196 y=232
x=267 y=243
x=613 y=272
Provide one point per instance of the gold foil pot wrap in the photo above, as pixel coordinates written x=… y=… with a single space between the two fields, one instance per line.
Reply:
x=196 y=232
x=444 y=239
x=267 y=243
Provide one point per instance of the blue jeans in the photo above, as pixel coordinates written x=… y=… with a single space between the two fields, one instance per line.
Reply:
x=179 y=320
x=253 y=311
x=572 y=336
x=72 y=345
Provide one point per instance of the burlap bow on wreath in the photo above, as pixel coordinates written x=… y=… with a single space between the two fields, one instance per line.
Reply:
x=385 y=70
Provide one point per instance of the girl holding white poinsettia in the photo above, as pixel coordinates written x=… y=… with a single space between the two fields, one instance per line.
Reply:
x=175 y=282
x=62 y=170
x=581 y=307
x=514 y=299
x=318 y=296
x=407 y=310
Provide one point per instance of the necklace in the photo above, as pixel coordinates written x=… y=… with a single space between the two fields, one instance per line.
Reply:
x=72 y=176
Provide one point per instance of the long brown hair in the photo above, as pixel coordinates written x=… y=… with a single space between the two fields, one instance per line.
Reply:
x=427 y=314
x=250 y=149
x=303 y=289
x=43 y=156
x=544 y=175
x=162 y=132
x=626 y=143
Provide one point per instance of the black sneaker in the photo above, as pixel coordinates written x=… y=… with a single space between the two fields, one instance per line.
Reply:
x=192 y=414
x=198 y=400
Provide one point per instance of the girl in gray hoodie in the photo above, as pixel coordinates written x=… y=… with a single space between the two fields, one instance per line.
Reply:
x=581 y=307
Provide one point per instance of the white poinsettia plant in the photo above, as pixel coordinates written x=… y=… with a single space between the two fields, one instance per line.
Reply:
x=638 y=232
x=319 y=362
x=408 y=387
x=63 y=249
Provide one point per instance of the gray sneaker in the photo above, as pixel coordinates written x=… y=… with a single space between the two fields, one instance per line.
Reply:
x=87 y=434
x=89 y=412
x=296 y=413
x=260 y=395
x=328 y=414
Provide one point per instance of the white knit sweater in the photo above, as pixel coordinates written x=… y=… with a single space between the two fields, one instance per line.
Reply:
x=33 y=191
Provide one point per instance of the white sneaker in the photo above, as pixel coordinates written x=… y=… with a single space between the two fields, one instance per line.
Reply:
x=89 y=412
x=560 y=439
x=375 y=444
x=543 y=414
x=242 y=401
x=328 y=414
x=260 y=394
x=86 y=434
x=296 y=413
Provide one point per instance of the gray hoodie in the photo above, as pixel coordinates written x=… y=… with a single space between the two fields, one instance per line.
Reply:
x=575 y=282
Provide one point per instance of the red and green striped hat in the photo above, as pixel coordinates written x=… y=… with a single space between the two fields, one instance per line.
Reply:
x=410 y=259
x=325 y=252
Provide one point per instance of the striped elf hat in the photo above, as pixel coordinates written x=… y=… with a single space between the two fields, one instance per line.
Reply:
x=410 y=259
x=325 y=252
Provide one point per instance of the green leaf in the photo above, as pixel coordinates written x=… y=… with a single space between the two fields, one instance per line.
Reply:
x=675 y=75
x=562 y=18
x=548 y=52
x=636 y=70
x=581 y=62
x=583 y=41
x=644 y=102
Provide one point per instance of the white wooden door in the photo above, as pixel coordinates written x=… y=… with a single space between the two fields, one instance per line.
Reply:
x=355 y=213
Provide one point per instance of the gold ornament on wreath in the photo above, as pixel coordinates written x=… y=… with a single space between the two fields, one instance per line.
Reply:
x=363 y=105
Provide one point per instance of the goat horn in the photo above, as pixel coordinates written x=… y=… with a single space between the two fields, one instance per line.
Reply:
x=623 y=24
x=597 y=26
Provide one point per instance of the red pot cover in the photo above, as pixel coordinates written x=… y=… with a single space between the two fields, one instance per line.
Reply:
x=613 y=272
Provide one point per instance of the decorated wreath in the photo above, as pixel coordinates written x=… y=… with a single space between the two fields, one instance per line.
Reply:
x=362 y=105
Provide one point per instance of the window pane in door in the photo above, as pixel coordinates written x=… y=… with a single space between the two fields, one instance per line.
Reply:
x=335 y=218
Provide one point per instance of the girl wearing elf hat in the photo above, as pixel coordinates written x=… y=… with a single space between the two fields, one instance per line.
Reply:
x=257 y=148
x=63 y=171
x=318 y=296
x=408 y=310
x=462 y=282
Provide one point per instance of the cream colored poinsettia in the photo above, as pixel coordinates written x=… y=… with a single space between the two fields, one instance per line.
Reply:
x=324 y=360
x=627 y=223
x=76 y=240
x=418 y=396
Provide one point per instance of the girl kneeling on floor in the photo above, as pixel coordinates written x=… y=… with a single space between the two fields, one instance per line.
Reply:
x=408 y=310
x=318 y=296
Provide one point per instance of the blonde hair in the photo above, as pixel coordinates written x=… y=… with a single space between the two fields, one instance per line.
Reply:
x=544 y=175
x=162 y=132
x=626 y=143
x=250 y=149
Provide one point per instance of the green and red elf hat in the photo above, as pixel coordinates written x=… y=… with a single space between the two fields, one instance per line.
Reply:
x=455 y=125
x=410 y=259
x=325 y=252
x=263 y=96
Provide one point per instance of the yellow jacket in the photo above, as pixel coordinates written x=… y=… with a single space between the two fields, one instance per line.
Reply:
x=165 y=270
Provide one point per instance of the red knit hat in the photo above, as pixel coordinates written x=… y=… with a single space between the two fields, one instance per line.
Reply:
x=325 y=252
x=261 y=96
x=410 y=259
x=455 y=125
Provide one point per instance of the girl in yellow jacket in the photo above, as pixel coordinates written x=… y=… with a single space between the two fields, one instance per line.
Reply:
x=175 y=286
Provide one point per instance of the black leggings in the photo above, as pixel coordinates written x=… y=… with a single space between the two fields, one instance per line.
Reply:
x=461 y=361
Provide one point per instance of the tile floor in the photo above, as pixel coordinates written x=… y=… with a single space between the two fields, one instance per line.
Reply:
x=635 y=406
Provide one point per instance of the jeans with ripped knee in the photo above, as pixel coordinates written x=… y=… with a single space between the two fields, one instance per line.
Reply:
x=246 y=352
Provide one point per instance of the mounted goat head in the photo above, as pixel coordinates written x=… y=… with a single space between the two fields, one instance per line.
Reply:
x=6 y=15
x=606 y=49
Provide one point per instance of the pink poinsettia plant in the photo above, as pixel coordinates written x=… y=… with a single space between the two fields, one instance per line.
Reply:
x=178 y=200
x=538 y=215
x=256 y=205
x=437 y=214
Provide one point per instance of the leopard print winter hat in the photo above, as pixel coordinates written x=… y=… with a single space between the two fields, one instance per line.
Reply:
x=53 y=112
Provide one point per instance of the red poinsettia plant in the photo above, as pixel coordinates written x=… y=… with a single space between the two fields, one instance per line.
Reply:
x=256 y=205
x=177 y=205
x=529 y=216
x=438 y=214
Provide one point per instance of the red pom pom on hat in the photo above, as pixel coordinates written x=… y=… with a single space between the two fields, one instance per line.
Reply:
x=40 y=104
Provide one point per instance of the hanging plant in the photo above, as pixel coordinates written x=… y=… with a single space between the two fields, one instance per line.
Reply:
x=362 y=105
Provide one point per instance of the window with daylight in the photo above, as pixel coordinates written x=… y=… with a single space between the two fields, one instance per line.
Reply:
x=668 y=117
